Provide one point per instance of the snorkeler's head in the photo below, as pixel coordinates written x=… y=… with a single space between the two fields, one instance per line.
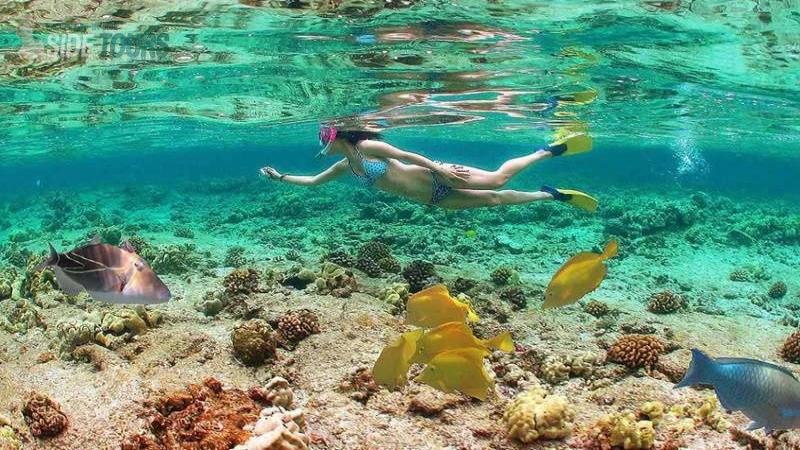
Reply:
x=327 y=136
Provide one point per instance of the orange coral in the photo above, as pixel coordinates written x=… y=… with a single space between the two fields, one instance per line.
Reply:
x=636 y=350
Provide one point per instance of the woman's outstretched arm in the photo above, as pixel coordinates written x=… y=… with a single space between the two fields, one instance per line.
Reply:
x=381 y=149
x=334 y=171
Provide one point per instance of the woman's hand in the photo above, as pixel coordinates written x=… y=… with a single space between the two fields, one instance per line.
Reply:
x=453 y=173
x=270 y=172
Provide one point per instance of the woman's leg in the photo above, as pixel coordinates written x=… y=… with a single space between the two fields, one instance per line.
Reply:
x=478 y=198
x=485 y=179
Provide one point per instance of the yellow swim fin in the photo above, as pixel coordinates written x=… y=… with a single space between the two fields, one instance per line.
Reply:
x=577 y=198
x=571 y=145
x=577 y=98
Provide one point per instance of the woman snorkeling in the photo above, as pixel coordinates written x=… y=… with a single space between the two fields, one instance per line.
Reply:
x=410 y=175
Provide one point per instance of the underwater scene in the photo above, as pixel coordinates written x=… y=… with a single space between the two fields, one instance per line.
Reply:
x=399 y=224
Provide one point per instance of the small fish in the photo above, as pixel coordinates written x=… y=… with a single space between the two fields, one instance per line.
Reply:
x=472 y=234
x=582 y=274
x=109 y=274
x=766 y=393
x=434 y=306
x=458 y=370
x=453 y=335
x=391 y=368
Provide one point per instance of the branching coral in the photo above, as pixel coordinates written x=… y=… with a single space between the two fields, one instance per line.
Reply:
x=665 y=302
x=420 y=274
x=241 y=281
x=374 y=258
x=791 y=348
x=536 y=414
x=340 y=258
x=777 y=290
x=253 y=342
x=503 y=275
x=515 y=296
x=296 y=326
x=234 y=257
x=636 y=350
x=44 y=416
x=597 y=308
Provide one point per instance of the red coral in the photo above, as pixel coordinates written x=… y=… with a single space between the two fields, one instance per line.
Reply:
x=44 y=416
x=636 y=350
x=200 y=417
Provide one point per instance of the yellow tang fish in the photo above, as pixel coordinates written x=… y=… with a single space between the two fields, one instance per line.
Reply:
x=458 y=370
x=391 y=368
x=453 y=335
x=582 y=274
x=434 y=306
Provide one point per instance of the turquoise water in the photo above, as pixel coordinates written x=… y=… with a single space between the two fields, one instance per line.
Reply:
x=151 y=121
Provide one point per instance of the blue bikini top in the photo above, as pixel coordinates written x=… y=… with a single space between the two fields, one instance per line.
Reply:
x=373 y=169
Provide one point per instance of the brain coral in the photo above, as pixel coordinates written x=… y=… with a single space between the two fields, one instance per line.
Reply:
x=253 y=342
x=636 y=350
x=535 y=414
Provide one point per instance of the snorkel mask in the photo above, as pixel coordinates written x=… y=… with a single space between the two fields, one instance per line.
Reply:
x=327 y=136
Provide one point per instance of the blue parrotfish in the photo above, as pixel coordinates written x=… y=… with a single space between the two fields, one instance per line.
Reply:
x=768 y=394
x=108 y=273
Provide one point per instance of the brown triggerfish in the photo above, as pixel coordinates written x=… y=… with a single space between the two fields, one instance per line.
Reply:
x=108 y=273
x=582 y=274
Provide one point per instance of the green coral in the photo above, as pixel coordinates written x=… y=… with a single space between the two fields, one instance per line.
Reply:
x=234 y=257
x=655 y=217
x=395 y=295
x=37 y=282
x=503 y=275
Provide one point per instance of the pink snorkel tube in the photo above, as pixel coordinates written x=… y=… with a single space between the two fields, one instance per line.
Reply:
x=327 y=136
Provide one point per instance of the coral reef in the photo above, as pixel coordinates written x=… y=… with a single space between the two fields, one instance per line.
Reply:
x=212 y=303
x=556 y=369
x=277 y=392
x=9 y=437
x=636 y=350
x=35 y=283
x=665 y=302
x=597 y=308
x=369 y=259
x=44 y=416
x=515 y=296
x=295 y=326
x=419 y=275
x=360 y=384
x=619 y=430
x=502 y=275
x=340 y=258
x=234 y=257
x=389 y=265
x=181 y=231
x=740 y=275
x=655 y=218
x=242 y=281
x=299 y=277
x=395 y=295
x=277 y=429
x=253 y=342
x=536 y=414
x=109 y=328
x=175 y=259
x=336 y=281
x=777 y=290
x=201 y=416
x=462 y=285
x=791 y=348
